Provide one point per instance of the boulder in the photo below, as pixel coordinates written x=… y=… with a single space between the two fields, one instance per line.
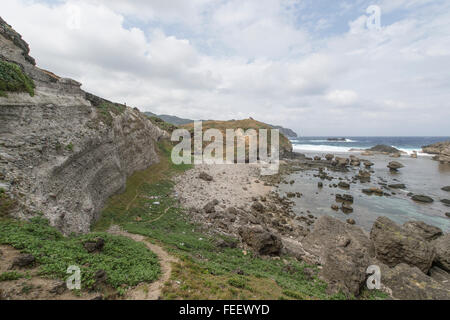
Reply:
x=410 y=283
x=261 y=240
x=442 y=249
x=346 y=208
x=395 y=245
x=447 y=214
x=344 y=185
x=363 y=176
x=423 y=230
x=446 y=202
x=422 y=198
x=446 y=189
x=344 y=198
x=94 y=246
x=368 y=163
x=394 y=165
x=23 y=261
x=341 y=162
x=440 y=149
x=343 y=250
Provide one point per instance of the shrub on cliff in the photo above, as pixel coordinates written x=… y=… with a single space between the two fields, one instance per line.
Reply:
x=13 y=79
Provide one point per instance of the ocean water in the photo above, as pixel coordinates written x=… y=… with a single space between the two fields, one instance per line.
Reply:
x=421 y=176
x=321 y=144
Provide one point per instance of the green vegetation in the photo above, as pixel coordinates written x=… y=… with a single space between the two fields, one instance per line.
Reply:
x=13 y=79
x=162 y=124
x=6 y=203
x=205 y=270
x=125 y=261
x=107 y=109
x=69 y=147
x=10 y=276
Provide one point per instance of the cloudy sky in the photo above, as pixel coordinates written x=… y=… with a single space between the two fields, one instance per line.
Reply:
x=311 y=65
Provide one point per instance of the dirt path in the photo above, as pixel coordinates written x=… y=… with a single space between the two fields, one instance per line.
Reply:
x=147 y=291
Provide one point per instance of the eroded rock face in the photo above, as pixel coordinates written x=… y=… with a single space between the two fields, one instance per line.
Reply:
x=395 y=245
x=442 y=249
x=410 y=283
x=343 y=250
x=440 y=149
x=62 y=153
x=424 y=230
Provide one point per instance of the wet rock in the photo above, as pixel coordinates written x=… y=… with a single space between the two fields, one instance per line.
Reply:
x=446 y=202
x=410 y=283
x=344 y=198
x=395 y=245
x=422 y=198
x=341 y=162
x=446 y=189
x=261 y=240
x=372 y=191
x=442 y=249
x=368 y=164
x=397 y=186
x=384 y=149
x=447 y=214
x=423 y=230
x=363 y=176
x=335 y=207
x=23 y=261
x=346 y=208
x=394 y=165
x=205 y=176
x=94 y=246
x=351 y=221
x=343 y=250
x=320 y=184
x=290 y=194
x=344 y=185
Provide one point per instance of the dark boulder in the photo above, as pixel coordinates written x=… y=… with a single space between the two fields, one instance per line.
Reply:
x=422 y=198
x=262 y=241
x=23 y=261
x=446 y=189
x=94 y=246
x=384 y=149
x=395 y=245
x=397 y=186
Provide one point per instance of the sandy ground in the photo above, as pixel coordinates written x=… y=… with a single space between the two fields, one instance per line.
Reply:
x=233 y=185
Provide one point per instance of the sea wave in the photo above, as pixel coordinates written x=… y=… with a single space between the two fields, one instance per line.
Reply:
x=320 y=148
x=323 y=140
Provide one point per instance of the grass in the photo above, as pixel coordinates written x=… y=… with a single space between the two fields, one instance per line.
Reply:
x=107 y=109
x=10 y=276
x=125 y=261
x=13 y=79
x=205 y=270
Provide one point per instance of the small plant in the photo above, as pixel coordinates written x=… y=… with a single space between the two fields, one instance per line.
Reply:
x=13 y=79
x=10 y=276
x=69 y=147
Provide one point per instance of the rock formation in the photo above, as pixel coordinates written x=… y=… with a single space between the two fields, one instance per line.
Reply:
x=64 y=151
x=441 y=151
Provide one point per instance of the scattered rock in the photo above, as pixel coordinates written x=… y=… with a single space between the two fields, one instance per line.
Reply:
x=320 y=185
x=363 y=176
x=205 y=176
x=210 y=207
x=397 y=186
x=368 y=163
x=94 y=246
x=335 y=207
x=446 y=202
x=446 y=189
x=346 y=208
x=344 y=198
x=395 y=245
x=447 y=214
x=344 y=185
x=394 y=165
x=261 y=240
x=422 y=198
x=351 y=221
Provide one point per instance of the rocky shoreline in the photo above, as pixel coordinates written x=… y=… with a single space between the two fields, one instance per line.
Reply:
x=236 y=201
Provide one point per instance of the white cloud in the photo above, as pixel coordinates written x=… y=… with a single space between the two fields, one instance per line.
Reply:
x=236 y=59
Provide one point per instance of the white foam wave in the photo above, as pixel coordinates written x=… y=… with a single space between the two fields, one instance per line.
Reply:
x=320 y=148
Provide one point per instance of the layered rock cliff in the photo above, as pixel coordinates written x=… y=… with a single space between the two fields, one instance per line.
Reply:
x=63 y=151
x=441 y=150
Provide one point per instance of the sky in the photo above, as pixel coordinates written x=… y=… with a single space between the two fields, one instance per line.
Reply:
x=320 y=67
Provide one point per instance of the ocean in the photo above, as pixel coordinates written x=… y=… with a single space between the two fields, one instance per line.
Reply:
x=421 y=176
x=321 y=144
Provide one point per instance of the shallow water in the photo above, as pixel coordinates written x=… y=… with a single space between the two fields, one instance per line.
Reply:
x=421 y=176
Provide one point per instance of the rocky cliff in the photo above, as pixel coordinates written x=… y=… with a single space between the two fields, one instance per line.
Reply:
x=63 y=151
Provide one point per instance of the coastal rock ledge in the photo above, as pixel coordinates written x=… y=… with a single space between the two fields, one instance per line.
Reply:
x=441 y=150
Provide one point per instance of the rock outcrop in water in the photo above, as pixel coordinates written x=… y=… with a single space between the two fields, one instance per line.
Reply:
x=441 y=150
x=64 y=151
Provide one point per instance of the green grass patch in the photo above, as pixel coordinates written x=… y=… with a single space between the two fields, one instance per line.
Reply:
x=13 y=79
x=11 y=276
x=125 y=261
x=106 y=111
